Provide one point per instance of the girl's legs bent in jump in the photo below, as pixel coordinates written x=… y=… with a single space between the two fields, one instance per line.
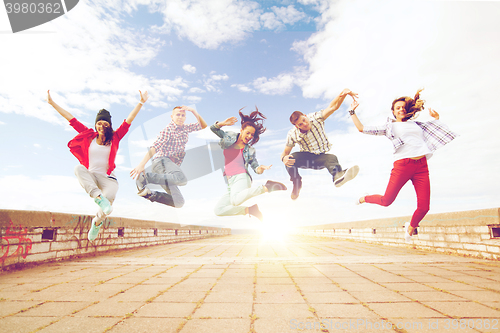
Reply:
x=404 y=170
x=399 y=176
x=95 y=185
x=239 y=190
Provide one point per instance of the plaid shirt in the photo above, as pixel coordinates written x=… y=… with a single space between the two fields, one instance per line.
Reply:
x=313 y=141
x=171 y=141
x=436 y=134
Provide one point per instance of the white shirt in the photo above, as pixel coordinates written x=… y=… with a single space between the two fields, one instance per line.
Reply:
x=413 y=137
x=99 y=158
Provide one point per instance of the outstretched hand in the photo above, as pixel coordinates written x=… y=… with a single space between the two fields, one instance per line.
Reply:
x=228 y=122
x=433 y=114
x=144 y=97
x=136 y=172
x=350 y=93
x=354 y=105
x=262 y=168
x=49 y=99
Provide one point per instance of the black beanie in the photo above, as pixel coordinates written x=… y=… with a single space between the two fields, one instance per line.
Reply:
x=103 y=114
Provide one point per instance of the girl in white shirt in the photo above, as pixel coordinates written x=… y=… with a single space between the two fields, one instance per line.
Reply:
x=414 y=143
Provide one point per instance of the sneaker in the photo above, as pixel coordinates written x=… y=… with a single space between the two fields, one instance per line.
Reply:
x=274 y=186
x=407 y=235
x=358 y=202
x=254 y=210
x=104 y=204
x=145 y=192
x=297 y=185
x=141 y=181
x=94 y=230
x=346 y=175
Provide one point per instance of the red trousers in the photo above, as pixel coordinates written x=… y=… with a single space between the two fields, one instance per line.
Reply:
x=403 y=171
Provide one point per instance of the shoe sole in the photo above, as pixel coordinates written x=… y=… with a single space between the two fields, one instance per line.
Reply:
x=349 y=175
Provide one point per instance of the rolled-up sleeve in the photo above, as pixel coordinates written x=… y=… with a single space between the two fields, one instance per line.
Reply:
x=375 y=130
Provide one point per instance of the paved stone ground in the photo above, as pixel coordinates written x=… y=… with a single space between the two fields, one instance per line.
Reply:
x=242 y=283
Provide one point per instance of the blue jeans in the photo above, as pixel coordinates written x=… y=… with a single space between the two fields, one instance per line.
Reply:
x=169 y=176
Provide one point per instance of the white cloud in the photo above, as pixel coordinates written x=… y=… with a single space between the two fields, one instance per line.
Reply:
x=85 y=61
x=212 y=82
x=280 y=85
x=189 y=68
x=196 y=90
x=456 y=62
x=270 y=21
x=280 y=17
x=208 y=24
x=242 y=87
x=2 y=123
x=288 y=15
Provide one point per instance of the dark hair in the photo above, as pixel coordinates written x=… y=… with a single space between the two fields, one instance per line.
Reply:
x=412 y=105
x=295 y=116
x=108 y=134
x=104 y=115
x=256 y=120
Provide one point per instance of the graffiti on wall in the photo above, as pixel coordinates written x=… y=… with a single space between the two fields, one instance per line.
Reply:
x=15 y=236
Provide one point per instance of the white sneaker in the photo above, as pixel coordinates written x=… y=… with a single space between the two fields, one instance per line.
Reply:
x=407 y=235
x=348 y=175
x=145 y=192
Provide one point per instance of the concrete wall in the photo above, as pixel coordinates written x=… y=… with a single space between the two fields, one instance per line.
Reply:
x=475 y=233
x=33 y=236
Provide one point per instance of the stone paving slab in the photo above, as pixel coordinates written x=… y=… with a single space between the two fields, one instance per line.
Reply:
x=241 y=283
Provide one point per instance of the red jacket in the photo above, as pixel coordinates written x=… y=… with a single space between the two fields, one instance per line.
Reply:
x=80 y=144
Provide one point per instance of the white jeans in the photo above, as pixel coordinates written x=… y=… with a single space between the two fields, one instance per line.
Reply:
x=96 y=184
x=238 y=191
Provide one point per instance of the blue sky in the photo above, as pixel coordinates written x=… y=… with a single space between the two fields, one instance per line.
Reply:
x=219 y=56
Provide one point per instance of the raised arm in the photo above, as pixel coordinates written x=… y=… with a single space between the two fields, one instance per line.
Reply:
x=140 y=167
x=337 y=102
x=202 y=122
x=59 y=109
x=135 y=111
x=354 y=117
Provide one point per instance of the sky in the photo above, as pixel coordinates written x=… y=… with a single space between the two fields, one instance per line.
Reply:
x=219 y=56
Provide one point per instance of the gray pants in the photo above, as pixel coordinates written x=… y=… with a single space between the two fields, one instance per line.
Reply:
x=169 y=176
x=96 y=184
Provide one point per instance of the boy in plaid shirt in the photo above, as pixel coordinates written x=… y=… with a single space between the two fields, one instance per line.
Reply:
x=168 y=151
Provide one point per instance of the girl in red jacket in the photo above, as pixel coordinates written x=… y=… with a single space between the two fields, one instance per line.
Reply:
x=96 y=152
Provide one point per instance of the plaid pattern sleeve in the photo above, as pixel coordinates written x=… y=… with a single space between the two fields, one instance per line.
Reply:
x=436 y=134
x=193 y=127
x=375 y=130
x=386 y=130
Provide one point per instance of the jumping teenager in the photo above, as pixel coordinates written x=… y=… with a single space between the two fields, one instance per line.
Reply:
x=96 y=151
x=414 y=143
x=239 y=153
x=309 y=133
